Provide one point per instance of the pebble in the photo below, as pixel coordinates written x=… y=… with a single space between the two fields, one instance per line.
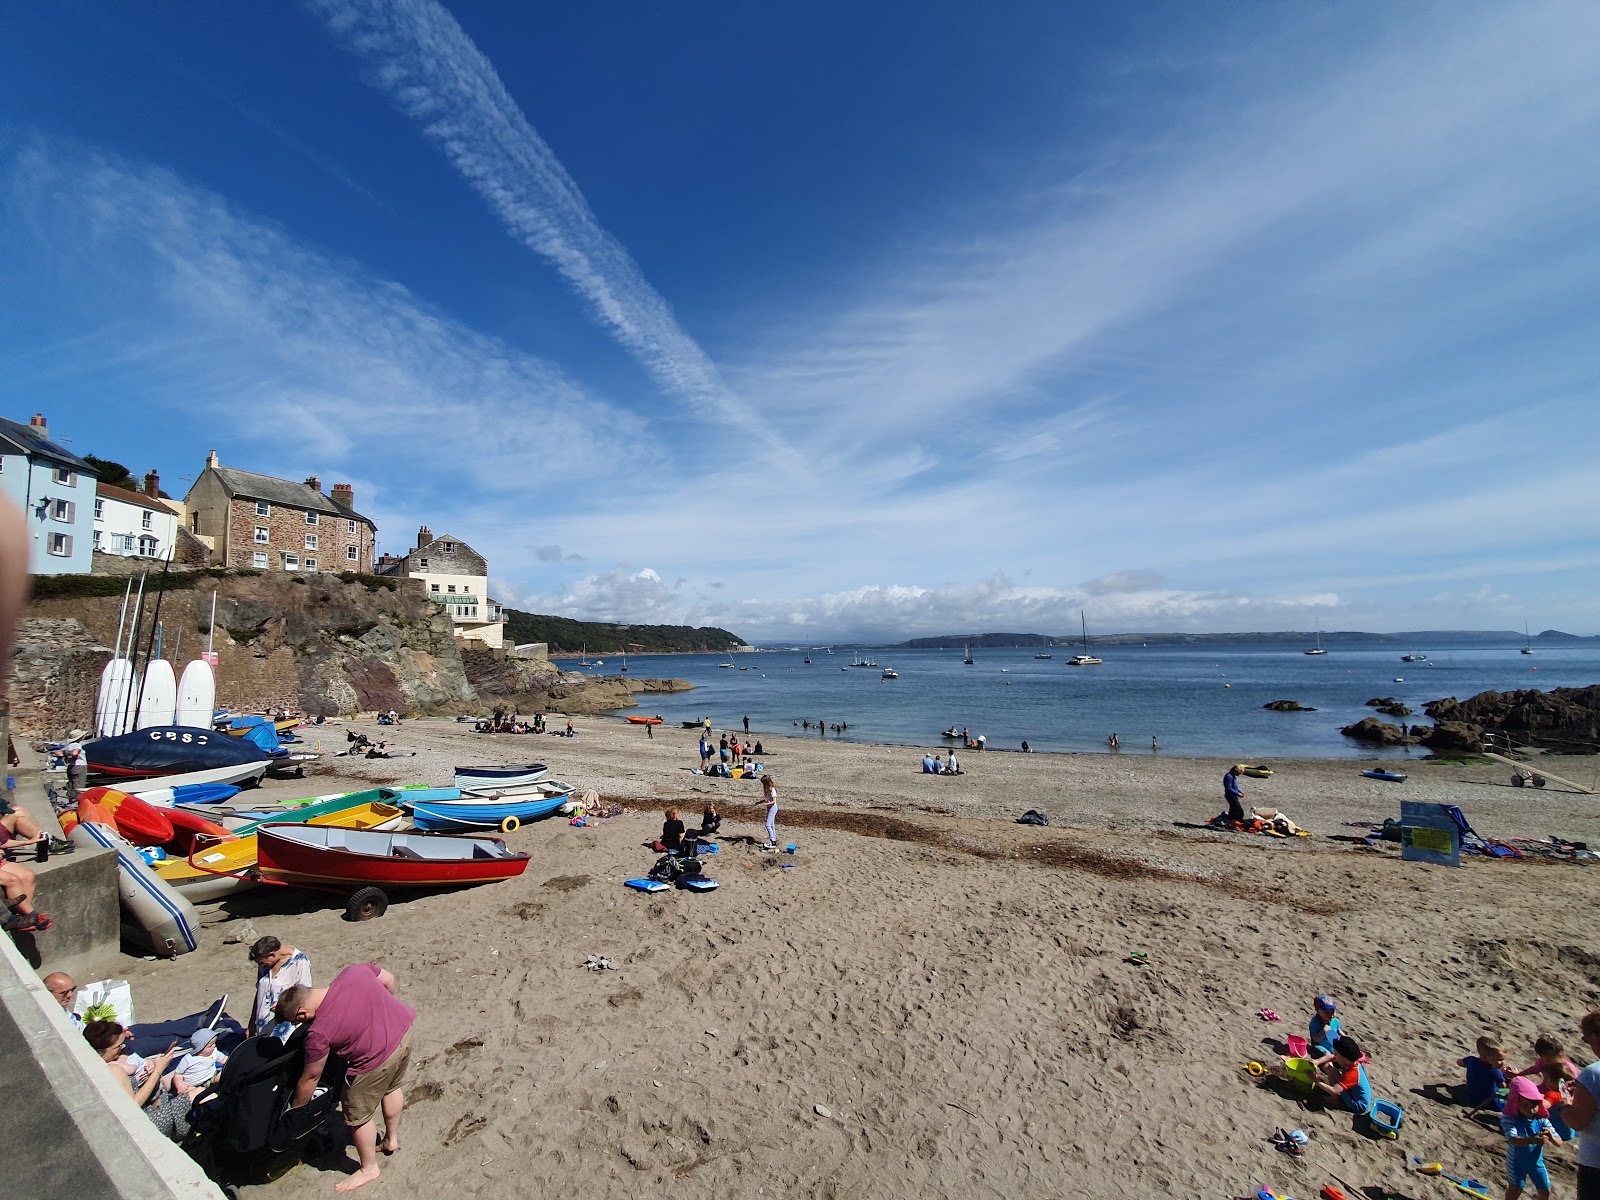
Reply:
x=600 y=1065
x=820 y=1110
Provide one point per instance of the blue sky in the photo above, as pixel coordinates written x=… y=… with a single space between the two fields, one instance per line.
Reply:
x=833 y=321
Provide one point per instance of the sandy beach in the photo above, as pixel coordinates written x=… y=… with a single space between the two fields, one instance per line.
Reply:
x=927 y=998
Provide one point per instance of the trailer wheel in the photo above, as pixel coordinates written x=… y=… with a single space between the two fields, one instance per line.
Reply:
x=366 y=904
x=510 y=825
x=1517 y=781
x=1538 y=781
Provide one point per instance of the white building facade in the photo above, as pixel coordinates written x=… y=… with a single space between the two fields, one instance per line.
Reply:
x=133 y=525
x=457 y=577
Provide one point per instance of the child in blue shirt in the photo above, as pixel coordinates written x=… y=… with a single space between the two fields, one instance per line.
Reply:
x=1486 y=1076
x=1346 y=1079
x=1526 y=1134
x=1324 y=1030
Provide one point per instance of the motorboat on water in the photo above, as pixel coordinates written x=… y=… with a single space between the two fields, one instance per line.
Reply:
x=1413 y=657
x=890 y=673
x=1044 y=655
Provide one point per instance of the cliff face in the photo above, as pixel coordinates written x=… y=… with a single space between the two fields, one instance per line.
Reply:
x=316 y=643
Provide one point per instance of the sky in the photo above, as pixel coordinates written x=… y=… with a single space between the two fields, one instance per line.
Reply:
x=835 y=322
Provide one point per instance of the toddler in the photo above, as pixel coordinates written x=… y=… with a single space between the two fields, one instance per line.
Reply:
x=197 y=1068
x=1346 y=1078
x=1526 y=1134
x=1555 y=1081
x=1486 y=1076
x=1325 y=1030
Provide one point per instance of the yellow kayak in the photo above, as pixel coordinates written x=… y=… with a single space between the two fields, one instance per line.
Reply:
x=203 y=882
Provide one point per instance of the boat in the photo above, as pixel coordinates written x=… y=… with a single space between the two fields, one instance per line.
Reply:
x=727 y=666
x=188 y=794
x=153 y=914
x=807 y=660
x=952 y=732
x=1255 y=770
x=1318 y=648
x=1085 y=659
x=966 y=656
x=624 y=667
x=113 y=706
x=1527 y=639
x=306 y=812
x=503 y=776
x=521 y=791
x=644 y=720
x=858 y=661
x=1413 y=657
x=240 y=726
x=1387 y=776
x=244 y=774
x=1044 y=655
x=156 y=697
x=170 y=749
x=505 y=815
x=324 y=856
x=197 y=695
x=583 y=656
x=890 y=673
x=196 y=875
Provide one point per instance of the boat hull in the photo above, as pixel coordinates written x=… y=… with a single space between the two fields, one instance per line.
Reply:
x=449 y=816
x=502 y=776
x=342 y=859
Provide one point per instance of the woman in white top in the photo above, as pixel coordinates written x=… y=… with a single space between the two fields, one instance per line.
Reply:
x=769 y=793
x=278 y=968
x=1580 y=1114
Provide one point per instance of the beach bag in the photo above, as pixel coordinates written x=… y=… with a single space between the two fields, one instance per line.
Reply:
x=115 y=994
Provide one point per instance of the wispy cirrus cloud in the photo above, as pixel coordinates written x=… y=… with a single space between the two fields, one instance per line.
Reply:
x=421 y=58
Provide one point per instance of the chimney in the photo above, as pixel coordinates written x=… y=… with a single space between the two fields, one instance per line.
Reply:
x=211 y=461
x=38 y=422
x=424 y=536
x=314 y=482
x=344 y=494
x=152 y=486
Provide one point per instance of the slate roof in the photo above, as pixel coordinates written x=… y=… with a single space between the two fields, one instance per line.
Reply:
x=35 y=443
x=137 y=499
x=404 y=561
x=280 y=491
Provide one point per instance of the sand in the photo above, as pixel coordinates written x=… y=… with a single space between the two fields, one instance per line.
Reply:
x=928 y=999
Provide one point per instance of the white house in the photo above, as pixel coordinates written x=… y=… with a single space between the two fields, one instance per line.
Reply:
x=457 y=577
x=133 y=524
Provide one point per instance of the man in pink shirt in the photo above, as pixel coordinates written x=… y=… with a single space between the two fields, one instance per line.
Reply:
x=358 y=1018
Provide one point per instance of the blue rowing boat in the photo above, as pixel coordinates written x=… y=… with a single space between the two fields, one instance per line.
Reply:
x=1386 y=776
x=505 y=815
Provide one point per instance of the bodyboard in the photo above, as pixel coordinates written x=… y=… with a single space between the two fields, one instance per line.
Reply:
x=646 y=885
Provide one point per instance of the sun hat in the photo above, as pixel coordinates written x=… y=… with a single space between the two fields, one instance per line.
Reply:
x=1522 y=1088
x=200 y=1039
x=1326 y=1004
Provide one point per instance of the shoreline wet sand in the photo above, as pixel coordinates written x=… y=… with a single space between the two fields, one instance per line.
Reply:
x=928 y=998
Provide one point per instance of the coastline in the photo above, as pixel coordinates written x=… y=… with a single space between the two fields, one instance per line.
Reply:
x=931 y=998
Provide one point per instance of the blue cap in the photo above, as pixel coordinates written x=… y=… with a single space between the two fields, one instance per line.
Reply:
x=1326 y=1002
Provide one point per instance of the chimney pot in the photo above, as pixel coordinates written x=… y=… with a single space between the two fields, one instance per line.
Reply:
x=314 y=482
x=211 y=461
x=152 y=486
x=424 y=536
x=38 y=421
x=344 y=494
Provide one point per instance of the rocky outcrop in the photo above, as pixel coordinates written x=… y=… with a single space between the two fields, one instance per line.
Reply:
x=537 y=685
x=1286 y=706
x=1565 y=720
x=1452 y=738
x=1394 y=710
x=1380 y=701
x=1378 y=733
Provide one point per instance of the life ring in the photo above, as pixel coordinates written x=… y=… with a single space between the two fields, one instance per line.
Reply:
x=510 y=825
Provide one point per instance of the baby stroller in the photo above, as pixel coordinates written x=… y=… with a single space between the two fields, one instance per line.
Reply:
x=241 y=1127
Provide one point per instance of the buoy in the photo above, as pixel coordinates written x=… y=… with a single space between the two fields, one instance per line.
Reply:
x=510 y=825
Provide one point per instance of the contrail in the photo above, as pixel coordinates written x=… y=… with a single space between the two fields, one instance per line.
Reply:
x=434 y=73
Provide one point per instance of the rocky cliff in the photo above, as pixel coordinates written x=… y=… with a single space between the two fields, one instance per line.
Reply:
x=1566 y=720
x=322 y=644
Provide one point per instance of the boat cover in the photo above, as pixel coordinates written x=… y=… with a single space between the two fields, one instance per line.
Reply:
x=170 y=750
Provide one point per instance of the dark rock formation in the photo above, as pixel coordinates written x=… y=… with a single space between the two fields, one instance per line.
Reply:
x=1380 y=701
x=1394 y=710
x=1377 y=733
x=1452 y=737
x=1287 y=706
x=1566 y=719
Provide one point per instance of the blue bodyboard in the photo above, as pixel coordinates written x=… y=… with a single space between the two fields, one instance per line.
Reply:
x=646 y=885
x=698 y=883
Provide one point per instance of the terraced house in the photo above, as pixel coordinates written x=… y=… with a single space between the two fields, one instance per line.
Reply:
x=271 y=524
x=55 y=489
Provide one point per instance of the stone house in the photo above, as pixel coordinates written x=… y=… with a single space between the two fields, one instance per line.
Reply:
x=270 y=524
x=134 y=524
x=456 y=576
x=55 y=489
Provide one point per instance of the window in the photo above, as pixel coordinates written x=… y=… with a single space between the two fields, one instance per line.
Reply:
x=65 y=476
x=99 y=509
x=311 y=564
x=263 y=535
x=352 y=554
x=452 y=589
x=145 y=521
x=123 y=543
x=258 y=560
x=63 y=510
x=147 y=546
x=61 y=544
x=449 y=547
x=97 y=539
x=311 y=518
x=291 y=562
x=422 y=565
x=352 y=530
x=433 y=587
x=263 y=509
x=311 y=541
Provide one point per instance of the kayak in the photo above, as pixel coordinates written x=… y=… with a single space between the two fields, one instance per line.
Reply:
x=1387 y=776
x=644 y=720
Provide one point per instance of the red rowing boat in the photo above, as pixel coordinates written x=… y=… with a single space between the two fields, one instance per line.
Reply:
x=644 y=720
x=324 y=856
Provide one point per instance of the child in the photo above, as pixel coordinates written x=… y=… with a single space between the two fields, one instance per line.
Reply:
x=671 y=839
x=1555 y=1081
x=197 y=1068
x=1486 y=1076
x=1324 y=1030
x=1526 y=1134
x=710 y=822
x=769 y=794
x=1548 y=1050
x=1347 y=1078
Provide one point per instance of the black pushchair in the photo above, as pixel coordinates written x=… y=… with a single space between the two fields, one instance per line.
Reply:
x=241 y=1128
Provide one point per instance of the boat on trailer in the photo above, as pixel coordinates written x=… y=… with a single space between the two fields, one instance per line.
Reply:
x=506 y=815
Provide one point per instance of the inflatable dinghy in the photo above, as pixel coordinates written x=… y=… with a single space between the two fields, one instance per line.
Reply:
x=153 y=915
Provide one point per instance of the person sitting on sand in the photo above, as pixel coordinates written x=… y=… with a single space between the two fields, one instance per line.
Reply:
x=1324 y=1030
x=199 y=1066
x=952 y=767
x=1345 y=1079
x=1486 y=1077
x=927 y=764
x=1555 y=1081
x=1546 y=1049
x=710 y=821
x=758 y=751
x=671 y=839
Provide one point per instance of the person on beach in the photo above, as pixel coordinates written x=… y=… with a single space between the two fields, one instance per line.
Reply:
x=747 y=722
x=358 y=1018
x=278 y=968
x=705 y=752
x=1324 y=1029
x=1233 y=794
x=1546 y=1049
x=1579 y=1112
x=197 y=1068
x=671 y=839
x=1025 y=749
x=1486 y=1077
x=167 y=1111
x=952 y=767
x=1527 y=1133
x=1345 y=1078
x=710 y=821
x=928 y=767
x=77 y=769
x=1154 y=745
x=1555 y=1082
x=65 y=990
x=19 y=883
x=1113 y=742
x=769 y=793
x=722 y=750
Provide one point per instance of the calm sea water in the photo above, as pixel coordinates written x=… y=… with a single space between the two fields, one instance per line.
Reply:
x=1197 y=701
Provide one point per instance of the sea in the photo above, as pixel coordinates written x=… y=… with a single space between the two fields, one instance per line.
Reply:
x=1200 y=701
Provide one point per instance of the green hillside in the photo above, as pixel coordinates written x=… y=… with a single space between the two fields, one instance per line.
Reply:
x=566 y=636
